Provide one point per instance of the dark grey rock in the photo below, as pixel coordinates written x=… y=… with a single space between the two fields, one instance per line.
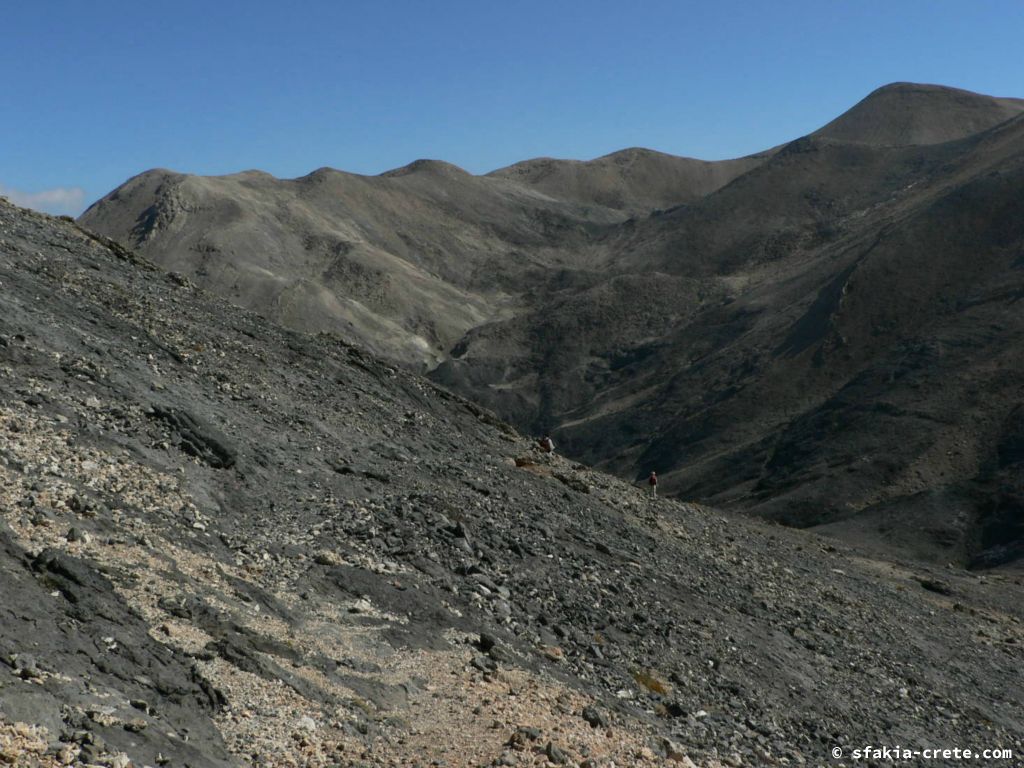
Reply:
x=556 y=754
x=594 y=717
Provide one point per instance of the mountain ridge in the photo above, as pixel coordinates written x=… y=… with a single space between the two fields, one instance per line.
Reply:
x=633 y=179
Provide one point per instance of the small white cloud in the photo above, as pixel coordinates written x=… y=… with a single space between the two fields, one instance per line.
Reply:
x=59 y=200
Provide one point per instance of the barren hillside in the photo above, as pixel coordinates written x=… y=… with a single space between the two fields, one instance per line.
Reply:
x=224 y=543
x=404 y=263
x=825 y=334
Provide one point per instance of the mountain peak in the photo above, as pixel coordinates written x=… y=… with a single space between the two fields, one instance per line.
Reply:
x=423 y=165
x=903 y=113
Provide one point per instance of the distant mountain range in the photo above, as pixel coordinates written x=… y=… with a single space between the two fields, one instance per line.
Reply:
x=825 y=334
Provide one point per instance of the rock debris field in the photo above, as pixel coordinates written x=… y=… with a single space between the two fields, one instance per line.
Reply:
x=223 y=543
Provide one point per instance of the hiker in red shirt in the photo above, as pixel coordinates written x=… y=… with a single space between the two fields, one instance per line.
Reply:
x=547 y=444
x=652 y=481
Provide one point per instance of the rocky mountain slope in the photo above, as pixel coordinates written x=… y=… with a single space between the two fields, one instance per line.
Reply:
x=225 y=543
x=824 y=334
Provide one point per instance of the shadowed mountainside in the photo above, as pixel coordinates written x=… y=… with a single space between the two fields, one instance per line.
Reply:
x=832 y=339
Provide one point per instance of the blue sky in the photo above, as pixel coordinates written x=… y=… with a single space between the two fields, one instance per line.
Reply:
x=96 y=92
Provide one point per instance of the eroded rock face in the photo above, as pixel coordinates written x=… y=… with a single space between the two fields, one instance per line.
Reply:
x=386 y=573
x=200 y=440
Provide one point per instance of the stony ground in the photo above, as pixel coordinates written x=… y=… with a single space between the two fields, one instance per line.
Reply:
x=222 y=543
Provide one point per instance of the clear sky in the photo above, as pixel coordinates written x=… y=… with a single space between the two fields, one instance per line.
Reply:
x=95 y=92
